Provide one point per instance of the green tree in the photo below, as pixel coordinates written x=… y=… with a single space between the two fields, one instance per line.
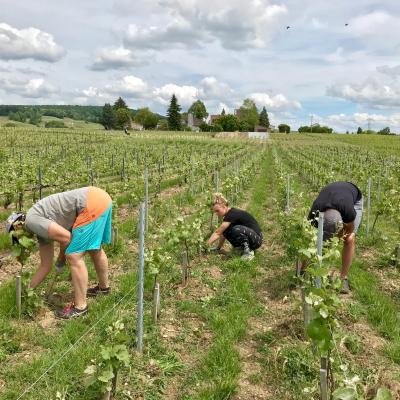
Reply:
x=162 y=125
x=35 y=116
x=315 y=129
x=248 y=113
x=359 y=130
x=198 y=109
x=227 y=123
x=384 y=131
x=123 y=118
x=264 y=120
x=173 y=115
x=55 y=124
x=283 y=128
x=108 y=118
x=223 y=111
x=120 y=103
x=146 y=118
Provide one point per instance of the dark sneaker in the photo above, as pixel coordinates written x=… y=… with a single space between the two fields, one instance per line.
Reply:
x=70 y=311
x=345 y=289
x=94 y=291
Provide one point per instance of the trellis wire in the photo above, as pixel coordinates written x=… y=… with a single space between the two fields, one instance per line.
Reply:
x=70 y=348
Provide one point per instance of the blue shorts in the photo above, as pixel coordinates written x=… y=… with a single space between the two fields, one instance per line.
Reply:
x=92 y=235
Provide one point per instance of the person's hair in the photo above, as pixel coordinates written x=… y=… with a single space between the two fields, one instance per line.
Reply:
x=219 y=199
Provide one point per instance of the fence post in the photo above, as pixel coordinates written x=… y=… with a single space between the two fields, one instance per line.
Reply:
x=192 y=179
x=114 y=236
x=140 y=279
x=323 y=373
x=320 y=242
x=397 y=263
x=124 y=169
x=156 y=302
x=18 y=293
x=288 y=193
x=368 y=206
x=40 y=181
x=324 y=361
x=147 y=202
x=378 y=194
x=185 y=267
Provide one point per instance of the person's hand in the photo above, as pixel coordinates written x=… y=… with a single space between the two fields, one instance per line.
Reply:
x=215 y=249
x=60 y=264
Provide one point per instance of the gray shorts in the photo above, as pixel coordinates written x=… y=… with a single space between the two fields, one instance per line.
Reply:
x=358 y=207
x=39 y=225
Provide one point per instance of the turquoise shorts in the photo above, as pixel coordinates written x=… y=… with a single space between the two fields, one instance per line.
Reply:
x=91 y=236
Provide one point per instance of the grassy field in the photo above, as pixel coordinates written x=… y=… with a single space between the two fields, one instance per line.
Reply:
x=235 y=330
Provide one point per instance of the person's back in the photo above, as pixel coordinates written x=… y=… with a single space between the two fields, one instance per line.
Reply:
x=63 y=208
x=236 y=216
x=340 y=196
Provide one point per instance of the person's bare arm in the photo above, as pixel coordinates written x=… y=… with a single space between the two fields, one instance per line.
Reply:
x=218 y=233
x=346 y=230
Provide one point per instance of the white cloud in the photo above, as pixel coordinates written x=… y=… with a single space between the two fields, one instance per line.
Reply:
x=235 y=24
x=185 y=95
x=337 y=57
x=115 y=58
x=375 y=23
x=371 y=91
x=177 y=32
x=279 y=102
x=223 y=106
x=129 y=86
x=344 y=122
x=393 y=72
x=32 y=88
x=211 y=89
x=18 y=44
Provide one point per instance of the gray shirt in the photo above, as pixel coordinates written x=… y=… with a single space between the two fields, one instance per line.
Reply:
x=62 y=208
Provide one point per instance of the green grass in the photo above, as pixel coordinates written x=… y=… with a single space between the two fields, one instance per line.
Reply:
x=226 y=315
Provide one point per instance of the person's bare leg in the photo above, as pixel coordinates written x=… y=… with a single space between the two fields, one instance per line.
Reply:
x=348 y=254
x=59 y=234
x=100 y=262
x=46 y=261
x=79 y=275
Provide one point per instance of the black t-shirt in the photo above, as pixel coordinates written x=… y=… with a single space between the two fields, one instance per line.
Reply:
x=240 y=217
x=340 y=196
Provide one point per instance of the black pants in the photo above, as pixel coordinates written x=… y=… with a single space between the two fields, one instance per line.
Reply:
x=238 y=235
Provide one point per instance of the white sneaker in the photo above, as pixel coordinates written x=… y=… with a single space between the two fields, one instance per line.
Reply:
x=247 y=255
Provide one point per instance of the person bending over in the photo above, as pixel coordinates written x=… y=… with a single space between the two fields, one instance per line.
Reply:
x=238 y=227
x=80 y=221
x=342 y=205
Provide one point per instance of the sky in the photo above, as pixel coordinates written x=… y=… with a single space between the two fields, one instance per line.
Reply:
x=336 y=63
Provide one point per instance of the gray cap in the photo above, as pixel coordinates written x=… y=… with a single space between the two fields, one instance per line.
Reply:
x=332 y=223
x=12 y=219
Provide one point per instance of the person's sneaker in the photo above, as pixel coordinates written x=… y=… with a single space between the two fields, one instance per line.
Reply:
x=247 y=254
x=70 y=311
x=94 y=291
x=345 y=289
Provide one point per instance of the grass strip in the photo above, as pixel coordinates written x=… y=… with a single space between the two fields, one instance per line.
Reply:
x=216 y=376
